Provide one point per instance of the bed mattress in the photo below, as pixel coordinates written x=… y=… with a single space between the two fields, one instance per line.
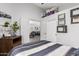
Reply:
x=42 y=48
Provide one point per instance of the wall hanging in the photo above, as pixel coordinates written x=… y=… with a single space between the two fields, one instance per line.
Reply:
x=62 y=29
x=74 y=13
x=61 y=19
x=4 y=15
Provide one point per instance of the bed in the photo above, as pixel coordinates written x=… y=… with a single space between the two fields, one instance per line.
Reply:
x=42 y=48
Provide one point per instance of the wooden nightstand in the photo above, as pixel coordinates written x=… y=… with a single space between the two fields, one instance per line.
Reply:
x=7 y=43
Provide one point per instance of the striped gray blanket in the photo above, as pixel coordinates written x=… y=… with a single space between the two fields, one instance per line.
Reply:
x=42 y=48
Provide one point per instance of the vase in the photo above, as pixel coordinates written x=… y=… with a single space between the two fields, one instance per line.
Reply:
x=13 y=33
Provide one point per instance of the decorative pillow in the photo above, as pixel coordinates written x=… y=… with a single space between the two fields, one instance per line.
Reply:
x=75 y=53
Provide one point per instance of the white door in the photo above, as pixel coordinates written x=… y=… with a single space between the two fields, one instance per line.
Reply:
x=51 y=31
x=43 y=30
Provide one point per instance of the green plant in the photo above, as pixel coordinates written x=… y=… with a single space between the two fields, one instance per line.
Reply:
x=15 y=26
x=6 y=24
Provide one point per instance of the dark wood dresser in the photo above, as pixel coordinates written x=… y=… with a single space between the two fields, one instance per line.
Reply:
x=7 y=43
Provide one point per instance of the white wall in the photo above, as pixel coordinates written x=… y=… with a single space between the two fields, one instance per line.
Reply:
x=72 y=36
x=23 y=12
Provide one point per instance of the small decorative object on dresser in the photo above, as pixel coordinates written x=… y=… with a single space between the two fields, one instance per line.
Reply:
x=7 y=43
x=74 y=13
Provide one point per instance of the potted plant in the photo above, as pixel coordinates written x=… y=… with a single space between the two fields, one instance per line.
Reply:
x=6 y=28
x=15 y=27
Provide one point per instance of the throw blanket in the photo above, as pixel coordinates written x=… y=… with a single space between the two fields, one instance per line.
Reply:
x=42 y=48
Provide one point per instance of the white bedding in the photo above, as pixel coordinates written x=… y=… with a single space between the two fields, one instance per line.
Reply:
x=61 y=51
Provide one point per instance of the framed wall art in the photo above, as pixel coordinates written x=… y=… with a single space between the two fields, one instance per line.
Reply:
x=61 y=19
x=62 y=29
x=74 y=13
x=4 y=15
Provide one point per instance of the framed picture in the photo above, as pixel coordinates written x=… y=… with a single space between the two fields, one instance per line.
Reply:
x=61 y=19
x=4 y=15
x=62 y=29
x=74 y=16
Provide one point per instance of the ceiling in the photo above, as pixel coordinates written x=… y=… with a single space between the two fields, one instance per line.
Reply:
x=61 y=6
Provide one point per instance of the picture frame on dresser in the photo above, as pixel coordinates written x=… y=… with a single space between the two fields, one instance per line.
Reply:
x=62 y=29
x=74 y=14
x=61 y=19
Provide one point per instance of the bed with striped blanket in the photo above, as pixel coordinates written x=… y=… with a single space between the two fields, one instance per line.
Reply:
x=42 y=48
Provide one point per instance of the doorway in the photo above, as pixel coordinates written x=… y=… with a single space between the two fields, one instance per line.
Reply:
x=34 y=33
